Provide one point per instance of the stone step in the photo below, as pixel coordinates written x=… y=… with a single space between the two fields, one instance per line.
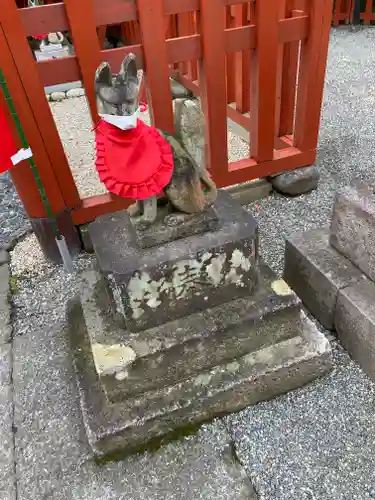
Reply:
x=151 y=286
x=131 y=363
x=317 y=272
x=353 y=225
x=258 y=376
x=355 y=323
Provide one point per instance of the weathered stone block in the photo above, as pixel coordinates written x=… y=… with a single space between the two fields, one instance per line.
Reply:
x=355 y=323
x=224 y=388
x=353 y=225
x=250 y=191
x=155 y=285
x=174 y=226
x=179 y=91
x=130 y=363
x=296 y=182
x=317 y=272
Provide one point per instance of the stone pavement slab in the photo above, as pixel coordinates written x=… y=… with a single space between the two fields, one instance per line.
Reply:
x=199 y=467
x=5 y=326
x=54 y=461
x=50 y=437
x=7 y=479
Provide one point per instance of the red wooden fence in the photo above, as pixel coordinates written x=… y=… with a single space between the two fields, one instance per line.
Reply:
x=267 y=56
x=343 y=11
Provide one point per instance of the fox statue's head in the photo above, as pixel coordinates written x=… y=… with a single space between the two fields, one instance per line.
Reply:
x=117 y=94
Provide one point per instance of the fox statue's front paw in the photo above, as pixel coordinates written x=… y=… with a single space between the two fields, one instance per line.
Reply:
x=144 y=212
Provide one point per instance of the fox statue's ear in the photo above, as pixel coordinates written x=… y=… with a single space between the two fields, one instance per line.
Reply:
x=103 y=75
x=104 y=86
x=128 y=70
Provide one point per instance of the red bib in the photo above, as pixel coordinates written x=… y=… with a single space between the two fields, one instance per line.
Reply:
x=135 y=163
x=8 y=147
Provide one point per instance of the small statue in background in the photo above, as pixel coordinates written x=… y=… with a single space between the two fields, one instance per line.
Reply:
x=137 y=161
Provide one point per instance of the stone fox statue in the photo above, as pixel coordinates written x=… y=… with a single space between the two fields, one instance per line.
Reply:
x=137 y=161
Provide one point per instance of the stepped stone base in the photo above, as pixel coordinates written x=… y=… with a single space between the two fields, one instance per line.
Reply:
x=280 y=352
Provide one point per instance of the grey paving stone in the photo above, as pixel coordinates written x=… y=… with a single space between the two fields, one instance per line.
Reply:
x=355 y=323
x=5 y=364
x=5 y=308
x=4 y=257
x=49 y=434
x=316 y=272
x=198 y=467
x=7 y=476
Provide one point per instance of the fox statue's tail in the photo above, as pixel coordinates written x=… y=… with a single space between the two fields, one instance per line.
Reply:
x=191 y=188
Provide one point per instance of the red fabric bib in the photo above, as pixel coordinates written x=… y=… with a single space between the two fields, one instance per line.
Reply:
x=8 y=147
x=135 y=163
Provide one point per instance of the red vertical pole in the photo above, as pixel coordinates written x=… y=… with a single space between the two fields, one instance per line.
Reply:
x=289 y=80
x=213 y=88
x=152 y=23
x=230 y=62
x=86 y=45
x=264 y=81
x=242 y=65
x=311 y=76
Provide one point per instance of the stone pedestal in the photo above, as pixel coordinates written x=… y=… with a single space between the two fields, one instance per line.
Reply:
x=171 y=335
x=333 y=271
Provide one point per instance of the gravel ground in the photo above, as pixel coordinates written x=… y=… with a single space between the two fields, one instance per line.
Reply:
x=315 y=443
x=13 y=221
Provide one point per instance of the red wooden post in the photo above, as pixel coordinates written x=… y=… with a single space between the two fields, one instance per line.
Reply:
x=152 y=22
x=86 y=45
x=213 y=87
x=368 y=12
x=311 y=76
x=183 y=29
x=230 y=61
x=242 y=64
x=193 y=65
x=53 y=165
x=289 y=80
x=101 y=35
x=264 y=80
x=279 y=78
x=21 y=174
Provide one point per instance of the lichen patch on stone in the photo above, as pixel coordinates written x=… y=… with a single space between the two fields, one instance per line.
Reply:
x=281 y=288
x=112 y=359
